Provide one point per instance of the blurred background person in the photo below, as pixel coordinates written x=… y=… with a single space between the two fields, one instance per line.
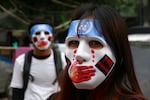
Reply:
x=42 y=74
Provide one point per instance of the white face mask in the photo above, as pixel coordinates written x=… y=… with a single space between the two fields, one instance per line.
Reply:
x=91 y=57
x=41 y=36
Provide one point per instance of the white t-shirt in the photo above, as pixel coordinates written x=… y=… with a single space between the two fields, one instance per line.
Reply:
x=42 y=73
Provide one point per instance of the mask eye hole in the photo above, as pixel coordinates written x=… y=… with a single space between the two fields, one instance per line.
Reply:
x=95 y=44
x=73 y=44
x=37 y=33
x=46 y=33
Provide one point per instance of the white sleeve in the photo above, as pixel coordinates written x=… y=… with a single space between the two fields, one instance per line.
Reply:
x=17 y=81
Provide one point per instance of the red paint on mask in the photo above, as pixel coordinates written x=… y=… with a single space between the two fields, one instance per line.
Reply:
x=49 y=38
x=42 y=43
x=35 y=39
x=93 y=56
x=81 y=73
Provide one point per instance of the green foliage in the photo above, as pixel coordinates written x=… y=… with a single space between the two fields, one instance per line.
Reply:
x=125 y=7
x=28 y=10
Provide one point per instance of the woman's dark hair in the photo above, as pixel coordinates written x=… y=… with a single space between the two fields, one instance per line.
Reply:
x=122 y=83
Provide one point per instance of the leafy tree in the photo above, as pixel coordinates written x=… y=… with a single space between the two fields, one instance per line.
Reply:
x=19 y=13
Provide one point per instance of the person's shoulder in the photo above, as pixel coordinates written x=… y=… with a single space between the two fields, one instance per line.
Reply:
x=19 y=61
x=20 y=58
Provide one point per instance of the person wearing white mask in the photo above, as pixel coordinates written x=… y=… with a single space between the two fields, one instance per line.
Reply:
x=42 y=73
x=99 y=59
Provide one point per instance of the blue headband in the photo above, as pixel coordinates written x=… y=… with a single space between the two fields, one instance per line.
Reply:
x=40 y=27
x=85 y=28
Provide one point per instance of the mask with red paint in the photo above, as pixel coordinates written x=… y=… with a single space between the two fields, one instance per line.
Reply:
x=91 y=58
x=41 y=36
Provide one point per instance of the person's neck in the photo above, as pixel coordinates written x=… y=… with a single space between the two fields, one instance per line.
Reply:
x=38 y=52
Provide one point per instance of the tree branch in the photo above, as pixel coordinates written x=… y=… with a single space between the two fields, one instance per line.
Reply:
x=62 y=25
x=64 y=4
x=13 y=15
